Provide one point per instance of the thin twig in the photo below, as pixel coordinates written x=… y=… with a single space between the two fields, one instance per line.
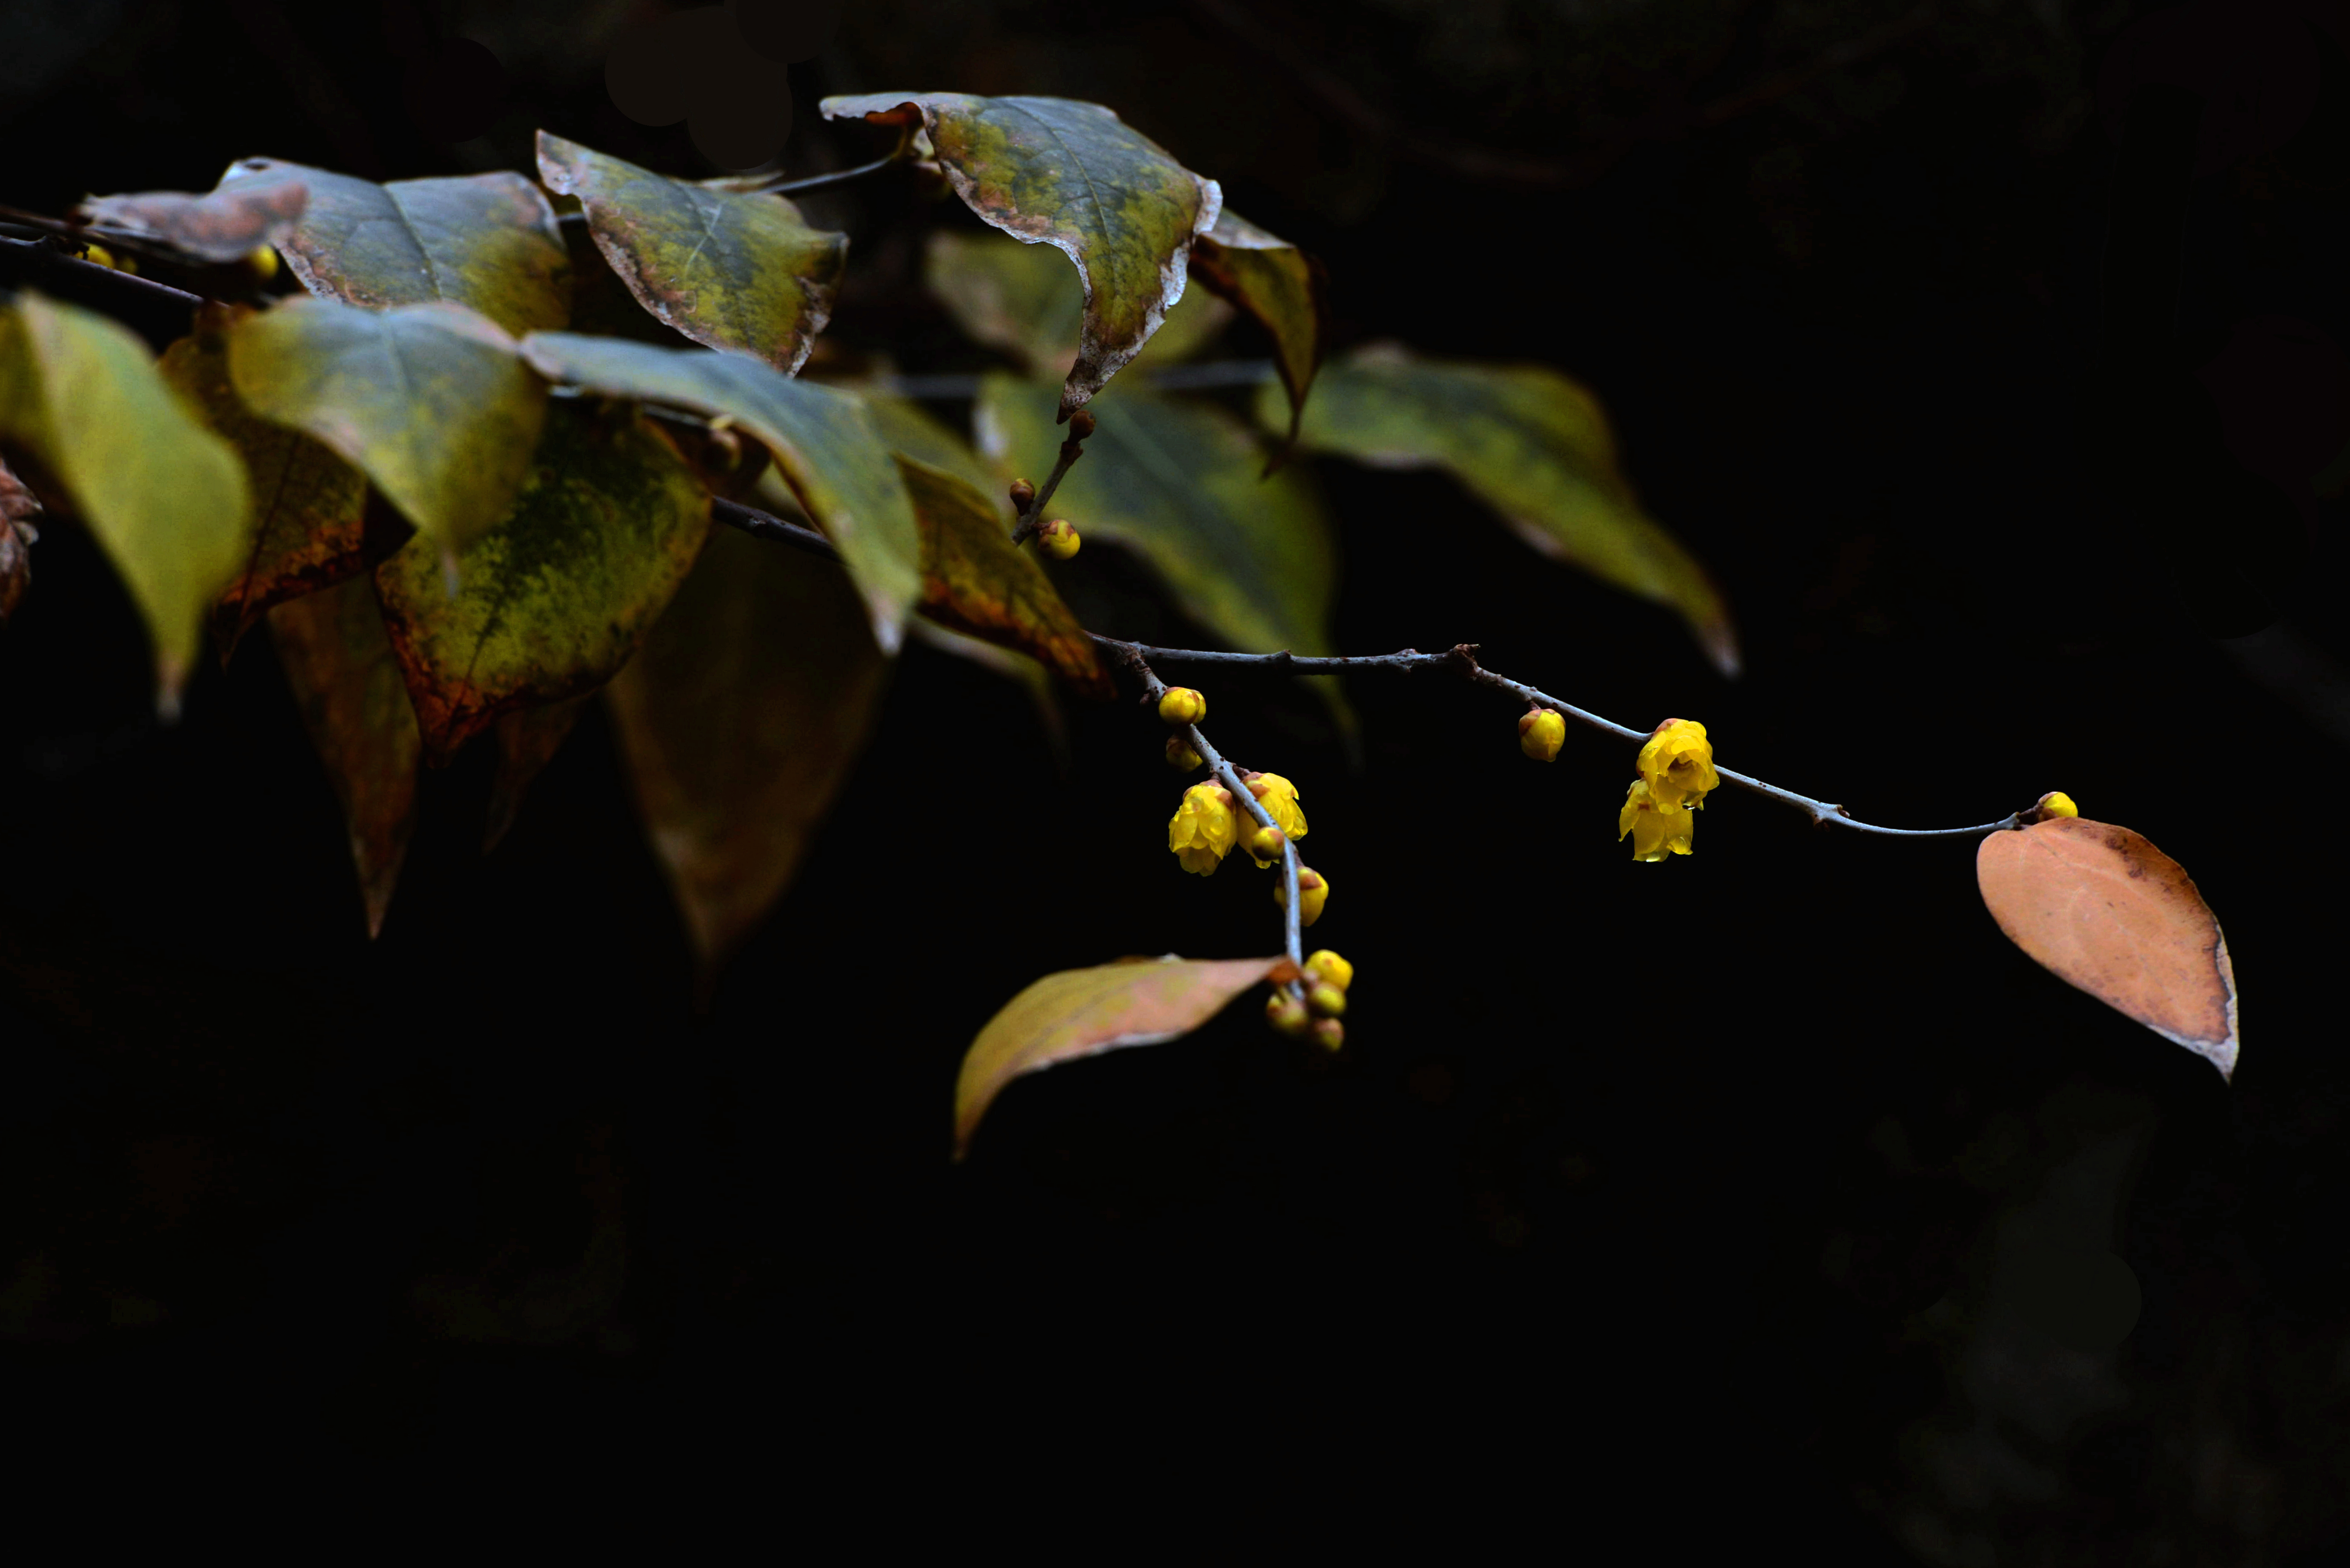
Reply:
x=766 y=526
x=1071 y=449
x=1292 y=927
x=826 y=182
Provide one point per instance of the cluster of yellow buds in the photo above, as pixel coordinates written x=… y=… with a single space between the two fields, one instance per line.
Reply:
x=1676 y=775
x=1315 y=1013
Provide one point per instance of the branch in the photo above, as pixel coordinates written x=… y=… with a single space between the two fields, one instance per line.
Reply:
x=826 y=182
x=1081 y=425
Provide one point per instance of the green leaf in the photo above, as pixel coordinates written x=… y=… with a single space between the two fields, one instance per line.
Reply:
x=911 y=431
x=429 y=401
x=1057 y=171
x=1279 y=285
x=485 y=241
x=739 y=723
x=555 y=599
x=1532 y=445
x=339 y=664
x=1086 y=1012
x=824 y=442
x=166 y=497
x=1025 y=300
x=1178 y=482
x=726 y=268
x=311 y=530
x=975 y=581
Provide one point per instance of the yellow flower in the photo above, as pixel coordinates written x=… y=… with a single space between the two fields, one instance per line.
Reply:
x=1677 y=764
x=1325 y=967
x=2057 y=804
x=1655 y=829
x=1313 y=892
x=1279 y=798
x=1200 y=833
x=1181 y=705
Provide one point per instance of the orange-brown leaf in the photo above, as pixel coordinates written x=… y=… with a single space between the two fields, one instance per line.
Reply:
x=975 y=581
x=337 y=660
x=1279 y=285
x=2101 y=908
x=1084 y=1011
x=218 y=226
x=527 y=740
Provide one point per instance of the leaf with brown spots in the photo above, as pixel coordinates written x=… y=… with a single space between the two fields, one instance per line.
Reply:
x=739 y=723
x=18 y=507
x=529 y=739
x=488 y=241
x=165 y=497
x=1279 y=285
x=1058 y=171
x=219 y=226
x=554 y=600
x=728 y=269
x=2102 y=910
x=1086 y=1012
x=332 y=646
x=310 y=525
x=429 y=401
x=975 y=581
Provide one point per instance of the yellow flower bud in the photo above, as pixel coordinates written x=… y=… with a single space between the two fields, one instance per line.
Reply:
x=1279 y=798
x=1327 y=1000
x=1677 y=764
x=1057 y=539
x=1325 y=967
x=1655 y=829
x=1181 y=756
x=1181 y=705
x=1264 y=844
x=261 y=263
x=1329 y=1034
x=1200 y=833
x=1541 y=733
x=2056 y=804
x=1287 y=1015
x=1313 y=892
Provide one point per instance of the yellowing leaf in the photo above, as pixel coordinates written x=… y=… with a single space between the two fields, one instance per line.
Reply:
x=739 y=721
x=1057 y=171
x=310 y=529
x=1178 y=482
x=429 y=401
x=1084 y=1011
x=555 y=599
x=2102 y=910
x=1532 y=445
x=727 y=268
x=1279 y=285
x=1025 y=300
x=166 y=497
x=973 y=580
x=221 y=226
x=485 y=241
x=824 y=442
x=910 y=432
x=338 y=662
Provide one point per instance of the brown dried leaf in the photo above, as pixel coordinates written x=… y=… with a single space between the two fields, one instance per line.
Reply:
x=17 y=505
x=219 y=226
x=527 y=742
x=2103 y=910
x=310 y=525
x=339 y=664
x=975 y=581
x=1279 y=285
x=1086 y=1012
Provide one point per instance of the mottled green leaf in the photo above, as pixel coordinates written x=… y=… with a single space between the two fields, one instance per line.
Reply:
x=1057 y=171
x=219 y=226
x=739 y=721
x=824 y=442
x=429 y=401
x=339 y=664
x=166 y=497
x=911 y=431
x=554 y=600
x=1177 y=481
x=485 y=241
x=1279 y=285
x=975 y=581
x=1025 y=300
x=1086 y=1012
x=725 y=267
x=310 y=526
x=1532 y=445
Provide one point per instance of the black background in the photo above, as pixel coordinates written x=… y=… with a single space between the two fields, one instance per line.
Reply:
x=1735 y=1196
